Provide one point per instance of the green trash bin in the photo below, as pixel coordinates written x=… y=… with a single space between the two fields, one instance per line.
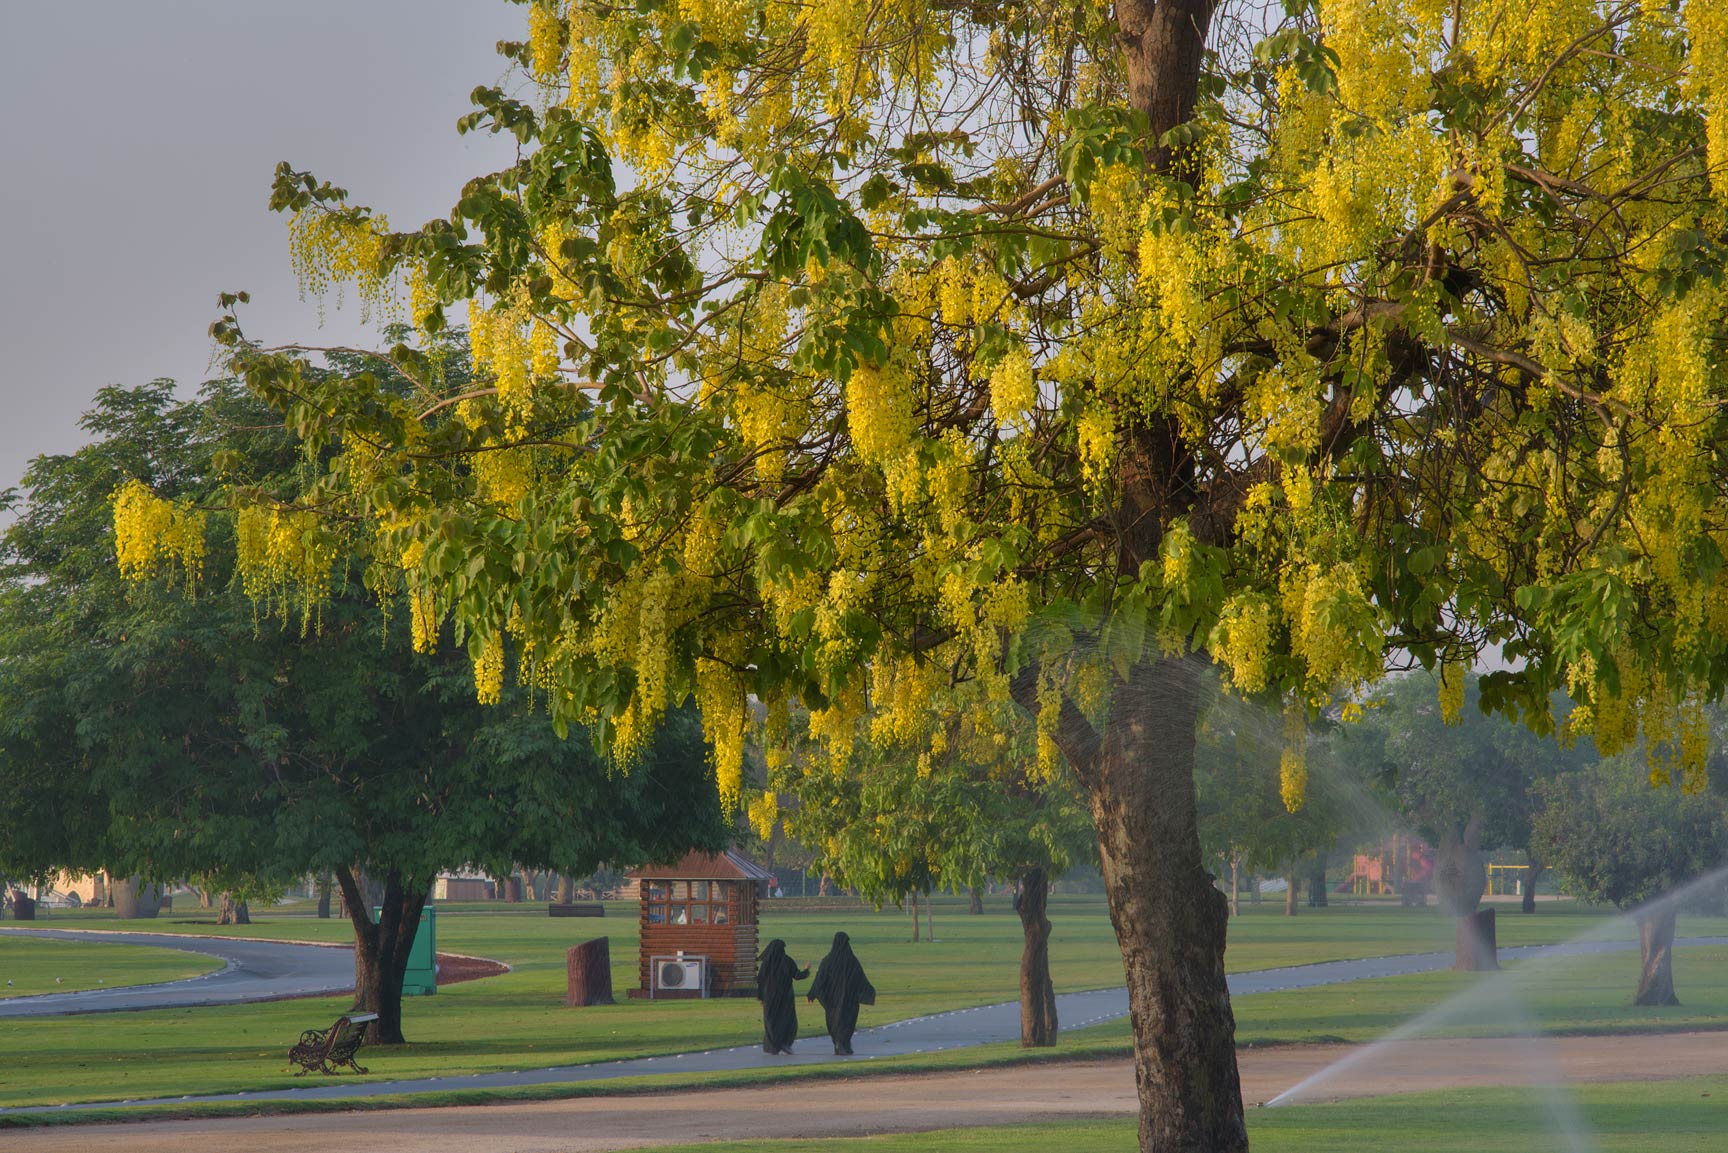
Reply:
x=421 y=979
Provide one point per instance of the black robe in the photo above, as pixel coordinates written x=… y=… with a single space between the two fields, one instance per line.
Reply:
x=841 y=987
x=775 y=972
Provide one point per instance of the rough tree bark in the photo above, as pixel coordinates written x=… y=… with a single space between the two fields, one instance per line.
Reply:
x=566 y=889
x=381 y=947
x=1656 y=942
x=1170 y=919
x=1139 y=773
x=1037 y=992
x=234 y=912
x=975 y=901
x=1292 y=888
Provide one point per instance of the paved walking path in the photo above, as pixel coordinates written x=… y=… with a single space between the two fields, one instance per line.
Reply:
x=1012 y=1095
x=255 y=971
x=960 y=1028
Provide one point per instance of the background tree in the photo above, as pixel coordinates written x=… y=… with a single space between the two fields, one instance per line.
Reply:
x=184 y=733
x=1243 y=815
x=1468 y=784
x=1061 y=349
x=1615 y=839
x=893 y=823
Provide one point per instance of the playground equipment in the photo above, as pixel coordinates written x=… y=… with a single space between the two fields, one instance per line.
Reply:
x=1507 y=880
x=1402 y=867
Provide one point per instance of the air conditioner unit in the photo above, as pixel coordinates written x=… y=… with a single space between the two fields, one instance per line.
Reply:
x=679 y=974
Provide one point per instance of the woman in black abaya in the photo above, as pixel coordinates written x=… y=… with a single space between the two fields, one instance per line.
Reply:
x=841 y=987
x=775 y=972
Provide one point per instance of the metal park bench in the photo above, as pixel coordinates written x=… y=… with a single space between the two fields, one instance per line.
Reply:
x=327 y=1050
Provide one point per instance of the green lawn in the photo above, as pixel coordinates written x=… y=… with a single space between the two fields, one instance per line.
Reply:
x=1591 y=994
x=516 y=1021
x=33 y=965
x=1689 y=1116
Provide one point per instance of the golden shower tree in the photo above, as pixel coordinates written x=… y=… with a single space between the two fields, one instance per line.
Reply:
x=857 y=358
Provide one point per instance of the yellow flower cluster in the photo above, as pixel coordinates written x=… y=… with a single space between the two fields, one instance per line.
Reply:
x=881 y=412
x=327 y=251
x=545 y=40
x=1013 y=392
x=763 y=813
x=1451 y=691
x=1288 y=407
x=498 y=339
x=489 y=670
x=281 y=551
x=1334 y=628
x=149 y=530
x=1242 y=641
x=1707 y=81
x=1095 y=433
x=1293 y=761
x=721 y=697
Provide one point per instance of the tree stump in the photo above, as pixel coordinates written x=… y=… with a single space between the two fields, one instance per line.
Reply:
x=589 y=974
x=1475 y=949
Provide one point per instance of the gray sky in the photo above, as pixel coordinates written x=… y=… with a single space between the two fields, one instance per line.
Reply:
x=137 y=143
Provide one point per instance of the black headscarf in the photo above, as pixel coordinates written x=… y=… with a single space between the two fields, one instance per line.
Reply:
x=775 y=972
x=841 y=978
x=841 y=987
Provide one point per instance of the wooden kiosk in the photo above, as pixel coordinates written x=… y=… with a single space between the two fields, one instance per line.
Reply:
x=699 y=927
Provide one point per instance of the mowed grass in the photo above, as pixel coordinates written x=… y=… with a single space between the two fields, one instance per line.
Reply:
x=34 y=965
x=517 y=1020
x=1688 y=1116
x=1570 y=995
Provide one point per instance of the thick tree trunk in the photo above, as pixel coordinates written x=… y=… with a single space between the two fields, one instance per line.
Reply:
x=975 y=901
x=324 y=897
x=1317 y=881
x=1170 y=920
x=1537 y=868
x=1656 y=942
x=1292 y=888
x=233 y=912
x=381 y=948
x=1037 y=993
x=1460 y=876
x=566 y=889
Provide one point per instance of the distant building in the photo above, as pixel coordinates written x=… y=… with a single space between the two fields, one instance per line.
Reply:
x=463 y=887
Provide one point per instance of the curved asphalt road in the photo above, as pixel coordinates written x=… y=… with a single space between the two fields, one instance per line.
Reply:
x=961 y=1028
x=255 y=971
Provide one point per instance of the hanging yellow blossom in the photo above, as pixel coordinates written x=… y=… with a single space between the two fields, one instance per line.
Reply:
x=1451 y=691
x=1293 y=761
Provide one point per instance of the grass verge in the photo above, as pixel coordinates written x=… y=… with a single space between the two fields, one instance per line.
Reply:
x=30 y=966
